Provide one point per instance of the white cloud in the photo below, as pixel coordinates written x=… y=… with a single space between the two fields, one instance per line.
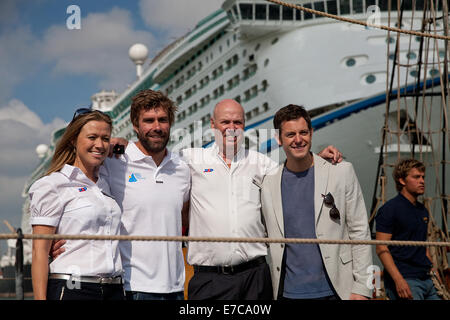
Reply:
x=99 y=48
x=176 y=17
x=19 y=53
x=21 y=130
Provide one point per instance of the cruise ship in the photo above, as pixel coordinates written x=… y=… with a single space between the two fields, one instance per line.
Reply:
x=266 y=56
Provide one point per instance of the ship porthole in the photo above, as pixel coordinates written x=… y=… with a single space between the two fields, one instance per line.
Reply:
x=266 y=62
x=371 y=79
x=434 y=72
x=350 y=62
x=411 y=55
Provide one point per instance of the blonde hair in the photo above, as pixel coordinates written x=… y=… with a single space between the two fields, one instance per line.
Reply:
x=65 y=152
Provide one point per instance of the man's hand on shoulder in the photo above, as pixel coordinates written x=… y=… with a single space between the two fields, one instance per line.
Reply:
x=331 y=153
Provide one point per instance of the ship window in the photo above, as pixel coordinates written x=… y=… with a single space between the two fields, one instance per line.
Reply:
x=319 y=6
x=390 y=40
x=350 y=62
x=371 y=79
x=266 y=62
x=383 y=4
x=419 y=4
x=246 y=11
x=441 y=54
x=358 y=6
x=248 y=115
x=411 y=55
x=260 y=11
x=265 y=106
x=434 y=72
x=298 y=15
x=307 y=15
x=257 y=47
x=392 y=56
x=332 y=7
x=230 y=16
x=235 y=11
x=393 y=5
x=274 y=12
x=414 y=73
x=230 y=84
x=274 y=41
x=264 y=85
x=345 y=6
x=288 y=14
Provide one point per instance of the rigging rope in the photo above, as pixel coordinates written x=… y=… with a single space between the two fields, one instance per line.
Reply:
x=362 y=23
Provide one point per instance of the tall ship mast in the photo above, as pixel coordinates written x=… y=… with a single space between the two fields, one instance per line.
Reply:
x=265 y=56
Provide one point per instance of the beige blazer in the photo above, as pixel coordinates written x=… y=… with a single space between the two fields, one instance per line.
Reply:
x=346 y=265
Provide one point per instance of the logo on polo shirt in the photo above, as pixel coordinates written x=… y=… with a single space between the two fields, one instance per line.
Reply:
x=208 y=170
x=425 y=219
x=135 y=177
x=82 y=189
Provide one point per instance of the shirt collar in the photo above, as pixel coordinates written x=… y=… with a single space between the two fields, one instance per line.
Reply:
x=239 y=155
x=417 y=205
x=75 y=173
x=135 y=154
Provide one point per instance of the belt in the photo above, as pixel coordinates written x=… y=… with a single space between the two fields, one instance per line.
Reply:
x=231 y=269
x=90 y=279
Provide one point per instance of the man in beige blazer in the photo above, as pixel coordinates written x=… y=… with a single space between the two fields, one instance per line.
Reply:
x=307 y=197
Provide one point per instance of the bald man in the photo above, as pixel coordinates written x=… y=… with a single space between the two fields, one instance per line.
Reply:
x=225 y=202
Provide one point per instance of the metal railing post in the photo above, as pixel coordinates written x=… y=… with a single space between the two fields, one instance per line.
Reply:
x=19 y=265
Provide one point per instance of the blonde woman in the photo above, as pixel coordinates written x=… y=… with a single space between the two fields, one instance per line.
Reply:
x=71 y=200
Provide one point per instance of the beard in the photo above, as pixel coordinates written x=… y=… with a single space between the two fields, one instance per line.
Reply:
x=154 y=147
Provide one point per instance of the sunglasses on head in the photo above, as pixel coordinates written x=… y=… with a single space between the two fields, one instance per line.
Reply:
x=82 y=111
x=328 y=200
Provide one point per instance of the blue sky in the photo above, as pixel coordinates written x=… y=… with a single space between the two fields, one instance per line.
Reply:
x=47 y=70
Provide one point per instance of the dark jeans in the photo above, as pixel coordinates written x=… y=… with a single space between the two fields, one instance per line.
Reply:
x=64 y=290
x=421 y=289
x=252 y=284
x=137 y=295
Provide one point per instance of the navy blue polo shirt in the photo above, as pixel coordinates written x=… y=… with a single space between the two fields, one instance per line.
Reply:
x=406 y=221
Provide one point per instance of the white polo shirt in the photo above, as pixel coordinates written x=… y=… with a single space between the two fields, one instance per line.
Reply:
x=151 y=198
x=74 y=204
x=225 y=202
